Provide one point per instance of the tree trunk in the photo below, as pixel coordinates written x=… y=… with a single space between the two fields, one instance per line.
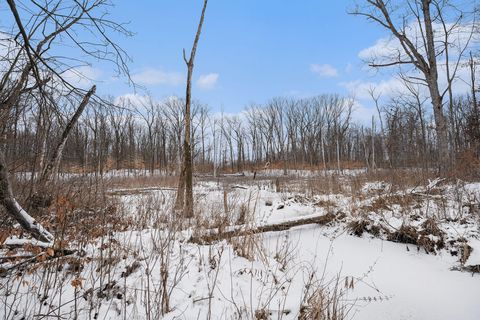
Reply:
x=432 y=80
x=185 y=184
x=440 y=128
x=15 y=210
x=52 y=166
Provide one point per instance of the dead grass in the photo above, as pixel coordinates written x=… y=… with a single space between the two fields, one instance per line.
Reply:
x=386 y=202
x=467 y=167
x=359 y=226
x=325 y=301
x=132 y=182
x=429 y=236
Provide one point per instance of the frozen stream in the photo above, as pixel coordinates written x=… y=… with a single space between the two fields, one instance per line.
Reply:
x=417 y=285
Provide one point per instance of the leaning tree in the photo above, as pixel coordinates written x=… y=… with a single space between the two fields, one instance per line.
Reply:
x=46 y=45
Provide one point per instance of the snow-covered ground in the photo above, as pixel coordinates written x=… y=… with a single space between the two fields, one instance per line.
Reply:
x=390 y=282
x=133 y=274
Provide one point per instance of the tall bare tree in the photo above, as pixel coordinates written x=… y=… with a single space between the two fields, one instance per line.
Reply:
x=424 y=38
x=185 y=184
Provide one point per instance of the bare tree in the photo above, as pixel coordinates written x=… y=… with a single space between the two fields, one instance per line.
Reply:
x=415 y=24
x=38 y=28
x=473 y=126
x=52 y=166
x=376 y=99
x=185 y=185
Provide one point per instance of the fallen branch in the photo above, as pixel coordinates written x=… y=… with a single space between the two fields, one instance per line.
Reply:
x=471 y=269
x=432 y=184
x=40 y=257
x=14 y=209
x=126 y=192
x=238 y=174
x=239 y=187
x=426 y=195
x=15 y=243
x=16 y=257
x=240 y=231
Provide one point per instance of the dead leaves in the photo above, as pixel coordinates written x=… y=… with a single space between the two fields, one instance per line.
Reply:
x=3 y=237
x=50 y=252
x=77 y=283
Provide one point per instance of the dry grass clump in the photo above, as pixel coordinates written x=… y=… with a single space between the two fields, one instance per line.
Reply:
x=405 y=234
x=322 y=307
x=401 y=179
x=242 y=213
x=463 y=251
x=386 y=202
x=325 y=302
x=248 y=246
x=430 y=236
x=328 y=204
x=321 y=185
x=430 y=226
x=359 y=226
x=212 y=217
x=351 y=185
x=76 y=210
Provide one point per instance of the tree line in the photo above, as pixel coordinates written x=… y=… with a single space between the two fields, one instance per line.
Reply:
x=286 y=132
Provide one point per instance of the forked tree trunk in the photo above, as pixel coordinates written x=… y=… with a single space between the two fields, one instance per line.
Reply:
x=14 y=209
x=185 y=185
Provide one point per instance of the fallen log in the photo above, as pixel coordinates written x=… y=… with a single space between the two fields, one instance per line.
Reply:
x=240 y=231
x=13 y=208
x=132 y=191
x=239 y=187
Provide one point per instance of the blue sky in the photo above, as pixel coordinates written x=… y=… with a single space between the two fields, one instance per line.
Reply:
x=250 y=50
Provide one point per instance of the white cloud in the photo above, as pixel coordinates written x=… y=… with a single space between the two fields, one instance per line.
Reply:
x=362 y=114
x=324 y=70
x=139 y=101
x=153 y=76
x=389 y=49
x=360 y=89
x=383 y=48
x=82 y=76
x=394 y=85
x=134 y=99
x=208 y=81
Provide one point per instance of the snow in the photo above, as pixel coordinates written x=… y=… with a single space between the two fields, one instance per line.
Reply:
x=390 y=282
x=412 y=285
x=474 y=258
x=236 y=278
x=16 y=242
x=377 y=186
x=30 y=222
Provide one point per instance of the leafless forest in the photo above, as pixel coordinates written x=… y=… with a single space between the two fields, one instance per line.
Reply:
x=116 y=203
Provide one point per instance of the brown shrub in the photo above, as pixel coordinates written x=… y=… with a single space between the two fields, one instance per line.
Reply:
x=467 y=167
